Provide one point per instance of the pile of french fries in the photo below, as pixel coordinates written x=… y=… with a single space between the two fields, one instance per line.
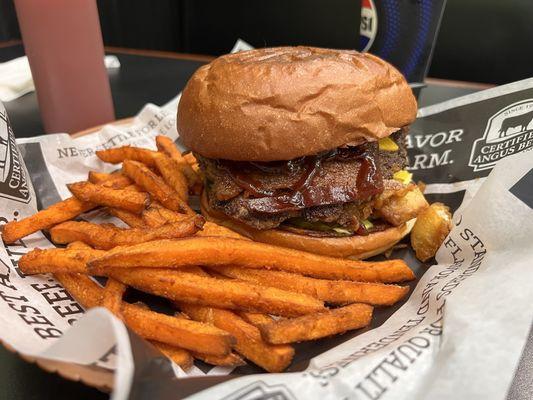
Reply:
x=234 y=299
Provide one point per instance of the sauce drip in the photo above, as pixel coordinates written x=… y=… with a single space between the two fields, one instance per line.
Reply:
x=300 y=194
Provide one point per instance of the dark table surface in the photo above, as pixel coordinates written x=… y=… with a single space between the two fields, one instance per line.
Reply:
x=144 y=77
x=158 y=77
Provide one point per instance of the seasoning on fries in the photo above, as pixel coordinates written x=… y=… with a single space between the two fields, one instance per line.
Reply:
x=317 y=326
x=248 y=301
x=156 y=186
x=55 y=214
x=172 y=175
x=109 y=236
x=177 y=331
x=213 y=251
x=167 y=146
x=151 y=325
x=273 y=358
x=230 y=360
x=255 y=319
x=112 y=296
x=156 y=215
x=180 y=356
x=86 y=291
x=130 y=219
x=248 y=340
x=44 y=219
x=191 y=288
x=116 y=180
x=330 y=291
x=117 y=155
x=78 y=245
x=72 y=260
x=122 y=199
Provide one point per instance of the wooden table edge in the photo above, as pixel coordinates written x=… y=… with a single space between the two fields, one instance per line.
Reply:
x=208 y=58
x=93 y=129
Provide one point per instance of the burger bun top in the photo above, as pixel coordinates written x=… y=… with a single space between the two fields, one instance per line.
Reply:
x=286 y=102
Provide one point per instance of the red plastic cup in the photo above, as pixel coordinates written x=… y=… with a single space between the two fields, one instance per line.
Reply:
x=63 y=42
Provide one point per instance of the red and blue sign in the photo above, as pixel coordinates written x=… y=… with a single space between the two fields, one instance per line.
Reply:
x=369 y=24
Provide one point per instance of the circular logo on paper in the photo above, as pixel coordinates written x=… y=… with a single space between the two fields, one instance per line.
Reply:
x=13 y=179
x=509 y=131
x=369 y=24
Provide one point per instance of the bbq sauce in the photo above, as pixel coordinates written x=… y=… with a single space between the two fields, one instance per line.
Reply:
x=300 y=193
x=242 y=173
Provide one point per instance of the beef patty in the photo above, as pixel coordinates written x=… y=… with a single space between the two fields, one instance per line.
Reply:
x=336 y=187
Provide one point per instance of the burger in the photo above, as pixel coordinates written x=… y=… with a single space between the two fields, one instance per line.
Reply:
x=304 y=147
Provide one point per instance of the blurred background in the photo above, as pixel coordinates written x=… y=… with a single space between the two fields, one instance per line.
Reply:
x=487 y=41
x=445 y=48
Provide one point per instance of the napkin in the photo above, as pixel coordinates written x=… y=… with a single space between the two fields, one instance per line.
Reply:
x=16 y=79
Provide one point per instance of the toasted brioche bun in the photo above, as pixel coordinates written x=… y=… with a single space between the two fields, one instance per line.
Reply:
x=287 y=102
x=354 y=247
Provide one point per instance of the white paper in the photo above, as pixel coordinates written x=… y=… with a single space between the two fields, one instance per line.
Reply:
x=16 y=79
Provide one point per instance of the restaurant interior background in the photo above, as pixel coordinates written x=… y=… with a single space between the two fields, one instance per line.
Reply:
x=485 y=41
x=488 y=41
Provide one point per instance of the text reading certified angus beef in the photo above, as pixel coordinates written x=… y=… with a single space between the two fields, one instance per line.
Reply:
x=304 y=147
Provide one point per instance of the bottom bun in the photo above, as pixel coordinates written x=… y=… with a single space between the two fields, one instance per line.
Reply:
x=354 y=247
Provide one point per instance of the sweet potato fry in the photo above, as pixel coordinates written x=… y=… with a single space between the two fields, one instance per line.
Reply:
x=153 y=184
x=71 y=260
x=272 y=358
x=44 y=219
x=154 y=218
x=130 y=219
x=119 y=154
x=237 y=299
x=123 y=199
x=171 y=173
x=156 y=215
x=255 y=319
x=167 y=146
x=190 y=288
x=191 y=159
x=112 y=296
x=78 y=245
x=179 y=332
x=231 y=360
x=180 y=356
x=55 y=214
x=99 y=177
x=116 y=180
x=247 y=343
x=339 y=292
x=212 y=229
x=316 y=326
x=86 y=291
x=109 y=236
x=211 y=251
